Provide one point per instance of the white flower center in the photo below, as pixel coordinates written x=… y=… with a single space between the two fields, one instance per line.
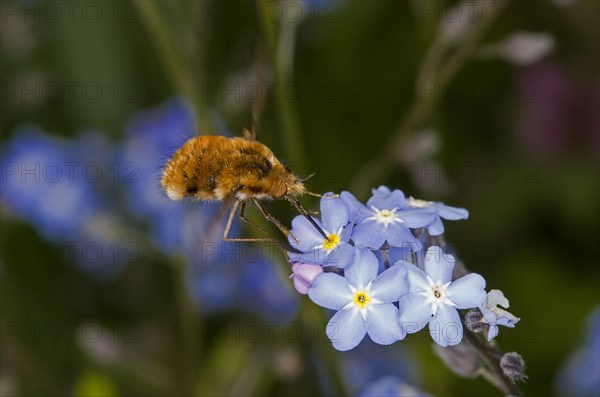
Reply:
x=436 y=295
x=385 y=217
x=416 y=203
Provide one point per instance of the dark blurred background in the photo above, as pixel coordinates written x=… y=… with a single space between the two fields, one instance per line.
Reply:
x=109 y=289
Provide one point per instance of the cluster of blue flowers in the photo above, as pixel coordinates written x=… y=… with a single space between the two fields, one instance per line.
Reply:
x=380 y=271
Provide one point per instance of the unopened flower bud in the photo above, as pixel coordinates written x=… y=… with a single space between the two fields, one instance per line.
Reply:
x=303 y=275
x=474 y=321
x=513 y=366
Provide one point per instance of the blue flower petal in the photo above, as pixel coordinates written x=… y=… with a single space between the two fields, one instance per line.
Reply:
x=387 y=201
x=419 y=217
x=363 y=269
x=492 y=332
x=451 y=213
x=390 y=285
x=505 y=321
x=436 y=227
x=445 y=327
x=347 y=232
x=367 y=235
x=382 y=190
x=382 y=324
x=330 y=290
x=341 y=256
x=415 y=277
x=354 y=206
x=439 y=265
x=468 y=291
x=398 y=235
x=489 y=316
x=313 y=256
x=346 y=329
x=306 y=233
x=415 y=313
x=404 y=253
x=334 y=214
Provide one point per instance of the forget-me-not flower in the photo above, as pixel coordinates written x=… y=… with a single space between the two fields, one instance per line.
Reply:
x=495 y=316
x=363 y=300
x=434 y=298
x=315 y=248
x=387 y=218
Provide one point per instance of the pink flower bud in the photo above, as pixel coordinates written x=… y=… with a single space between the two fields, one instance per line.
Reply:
x=304 y=274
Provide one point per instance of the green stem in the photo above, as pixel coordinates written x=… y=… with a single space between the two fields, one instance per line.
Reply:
x=177 y=68
x=294 y=146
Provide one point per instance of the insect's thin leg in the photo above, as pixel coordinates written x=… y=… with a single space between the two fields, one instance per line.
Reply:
x=246 y=239
x=248 y=221
x=236 y=203
x=274 y=220
x=230 y=221
x=302 y=211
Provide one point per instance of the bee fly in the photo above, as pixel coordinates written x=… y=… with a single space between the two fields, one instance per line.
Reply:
x=218 y=168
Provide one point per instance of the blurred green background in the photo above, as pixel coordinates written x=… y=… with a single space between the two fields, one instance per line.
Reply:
x=516 y=143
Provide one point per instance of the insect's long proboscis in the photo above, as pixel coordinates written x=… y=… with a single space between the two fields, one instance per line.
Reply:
x=302 y=211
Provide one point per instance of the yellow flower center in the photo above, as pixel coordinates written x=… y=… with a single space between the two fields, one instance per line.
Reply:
x=361 y=299
x=331 y=241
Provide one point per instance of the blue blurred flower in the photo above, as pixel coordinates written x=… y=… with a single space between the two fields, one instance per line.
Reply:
x=436 y=227
x=322 y=7
x=61 y=187
x=369 y=362
x=252 y=286
x=495 y=316
x=48 y=181
x=387 y=218
x=391 y=386
x=150 y=138
x=265 y=292
x=580 y=374
x=224 y=276
x=212 y=266
x=363 y=300
x=434 y=299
